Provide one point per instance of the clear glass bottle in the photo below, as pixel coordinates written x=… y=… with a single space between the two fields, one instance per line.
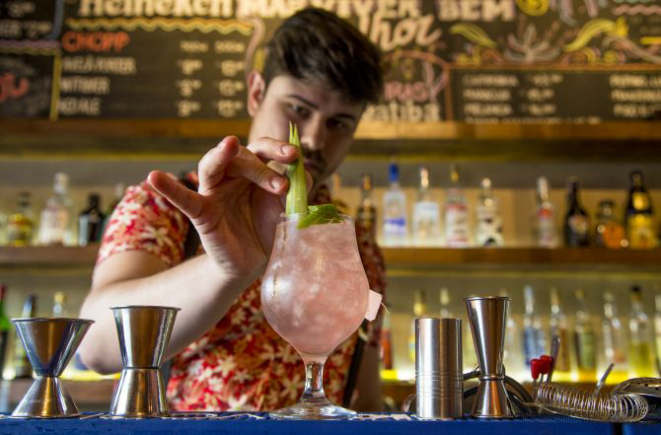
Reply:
x=657 y=330
x=455 y=213
x=513 y=355
x=55 y=227
x=585 y=342
x=560 y=326
x=444 y=298
x=546 y=231
x=534 y=343
x=59 y=304
x=426 y=214
x=615 y=342
x=22 y=366
x=20 y=225
x=395 y=212
x=488 y=223
x=639 y=215
x=577 y=221
x=609 y=233
x=641 y=355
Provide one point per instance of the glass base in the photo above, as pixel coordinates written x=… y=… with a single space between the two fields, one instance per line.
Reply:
x=312 y=410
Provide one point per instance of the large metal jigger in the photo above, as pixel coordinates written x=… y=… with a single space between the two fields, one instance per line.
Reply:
x=49 y=345
x=488 y=319
x=144 y=333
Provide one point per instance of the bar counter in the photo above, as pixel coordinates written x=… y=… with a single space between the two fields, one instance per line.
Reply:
x=260 y=423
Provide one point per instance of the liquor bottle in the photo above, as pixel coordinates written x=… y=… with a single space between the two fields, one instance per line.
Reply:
x=641 y=357
x=513 y=355
x=419 y=310
x=559 y=326
x=615 y=341
x=426 y=214
x=90 y=221
x=638 y=217
x=395 y=214
x=22 y=367
x=577 y=222
x=657 y=331
x=446 y=313
x=534 y=344
x=55 y=227
x=3 y=227
x=455 y=211
x=609 y=233
x=385 y=348
x=59 y=301
x=468 y=346
x=366 y=214
x=20 y=224
x=5 y=326
x=489 y=225
x=585 y=342
x=547 y=234
x=336 y=192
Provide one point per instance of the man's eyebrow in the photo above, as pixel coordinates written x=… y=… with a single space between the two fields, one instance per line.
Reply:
x=314 y=106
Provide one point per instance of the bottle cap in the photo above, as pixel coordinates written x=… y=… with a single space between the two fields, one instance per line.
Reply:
x=393 y=173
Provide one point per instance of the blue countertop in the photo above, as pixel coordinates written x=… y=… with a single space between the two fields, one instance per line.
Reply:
x=259 y=423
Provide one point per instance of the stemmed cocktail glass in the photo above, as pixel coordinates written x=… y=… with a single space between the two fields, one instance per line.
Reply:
x=315 y=295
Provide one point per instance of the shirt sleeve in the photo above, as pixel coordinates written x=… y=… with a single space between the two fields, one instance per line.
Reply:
x=145 y=221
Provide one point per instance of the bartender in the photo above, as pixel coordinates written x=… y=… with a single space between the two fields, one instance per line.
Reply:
x=319 y=72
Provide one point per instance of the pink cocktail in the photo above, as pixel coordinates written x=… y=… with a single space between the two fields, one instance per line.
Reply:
x=315 y=295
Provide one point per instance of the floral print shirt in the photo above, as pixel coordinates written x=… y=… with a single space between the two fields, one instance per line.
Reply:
x=242 y=363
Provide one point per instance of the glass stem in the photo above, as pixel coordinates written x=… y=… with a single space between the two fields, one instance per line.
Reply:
x=314 y=382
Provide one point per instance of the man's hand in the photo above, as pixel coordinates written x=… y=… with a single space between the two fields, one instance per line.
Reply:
x=237 y=204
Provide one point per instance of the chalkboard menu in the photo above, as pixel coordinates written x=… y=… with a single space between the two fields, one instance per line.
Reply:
x=475 y=61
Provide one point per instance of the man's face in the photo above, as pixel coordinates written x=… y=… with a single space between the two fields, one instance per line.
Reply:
x=326 y=120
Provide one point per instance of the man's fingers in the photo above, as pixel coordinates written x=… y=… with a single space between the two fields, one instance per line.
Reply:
x=249 y=166
x=211 y=168
x=268 y=149
x=186 y=200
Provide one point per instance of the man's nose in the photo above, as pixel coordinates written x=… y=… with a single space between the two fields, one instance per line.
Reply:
x=314 y=135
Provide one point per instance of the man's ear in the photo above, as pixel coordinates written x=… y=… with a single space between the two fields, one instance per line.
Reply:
x=256 y=91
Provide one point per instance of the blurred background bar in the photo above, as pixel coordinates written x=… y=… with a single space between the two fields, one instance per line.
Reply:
x=516 y=151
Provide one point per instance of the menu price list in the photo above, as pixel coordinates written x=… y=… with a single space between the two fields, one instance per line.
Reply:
x=554 y=95
x=148 y=74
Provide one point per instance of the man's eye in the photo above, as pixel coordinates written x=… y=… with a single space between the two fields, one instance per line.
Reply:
x=336 y=124
x=299 y=110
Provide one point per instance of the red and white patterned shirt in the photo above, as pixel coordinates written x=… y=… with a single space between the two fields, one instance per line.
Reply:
x=242 y=363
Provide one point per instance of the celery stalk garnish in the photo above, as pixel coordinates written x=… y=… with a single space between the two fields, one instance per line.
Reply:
x=297 y=196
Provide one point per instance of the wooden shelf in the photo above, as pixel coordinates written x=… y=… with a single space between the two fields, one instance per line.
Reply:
x=522 y=259
x=171 y=139
x=404 y=258
x=49 y=256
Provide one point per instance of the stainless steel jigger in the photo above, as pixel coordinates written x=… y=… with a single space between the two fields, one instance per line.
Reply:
x=49 y=345
x=144 y=333
x=488 y=319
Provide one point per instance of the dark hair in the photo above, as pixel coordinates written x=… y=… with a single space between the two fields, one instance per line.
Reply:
x=314 y=44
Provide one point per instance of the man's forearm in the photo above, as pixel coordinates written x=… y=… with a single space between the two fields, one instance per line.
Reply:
x=202 y=291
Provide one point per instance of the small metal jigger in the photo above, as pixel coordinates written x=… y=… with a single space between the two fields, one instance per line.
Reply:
x=488 y=319
x=144 y=333
x=49 y=345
